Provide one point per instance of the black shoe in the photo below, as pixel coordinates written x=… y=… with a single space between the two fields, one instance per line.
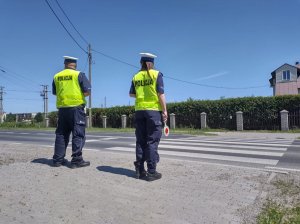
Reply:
x=153 y=176
x=58 y=164
x=79 y=164
x=140 y=172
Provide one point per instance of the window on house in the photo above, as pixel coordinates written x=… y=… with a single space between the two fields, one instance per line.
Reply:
x=286 y=75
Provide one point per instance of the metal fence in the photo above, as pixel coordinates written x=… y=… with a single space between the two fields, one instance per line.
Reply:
x=253 y=121
x=294 y=118
x=187 y=121
x=222 y=122
x=130 y=120
x=97 y=121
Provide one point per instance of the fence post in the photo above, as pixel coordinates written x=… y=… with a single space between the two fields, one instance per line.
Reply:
x=87 y=121
x=104 y=120
x=123 y=121
x=284 y=116
x=239 y=121
x=203 y=120
x=172 y=121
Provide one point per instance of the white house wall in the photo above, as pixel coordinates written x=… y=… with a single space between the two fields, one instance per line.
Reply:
x=286 y=87
x=293 y=73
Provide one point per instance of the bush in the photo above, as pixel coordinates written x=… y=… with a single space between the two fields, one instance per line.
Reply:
x=259 y=112
x=39 y=117
x=17 y=125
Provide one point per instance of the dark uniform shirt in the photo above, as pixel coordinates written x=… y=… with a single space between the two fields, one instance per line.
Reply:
x=159 y=85
x=83 y=83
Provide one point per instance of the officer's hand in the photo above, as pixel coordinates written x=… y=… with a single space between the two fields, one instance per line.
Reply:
x=164 y=116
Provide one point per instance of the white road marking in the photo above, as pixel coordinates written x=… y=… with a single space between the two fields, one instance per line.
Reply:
x=206 y=156
x=282 y=168
x=230 y=142
x=248 y=152
x=100 y=139
x=109 y=136
x=92 y=140
x=205 y=149
x=89 y=149
x=227 y=145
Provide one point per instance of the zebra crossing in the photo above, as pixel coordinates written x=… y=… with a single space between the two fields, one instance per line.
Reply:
x=266 y=152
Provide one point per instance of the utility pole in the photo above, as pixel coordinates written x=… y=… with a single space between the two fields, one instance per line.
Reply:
x=90 y=79
x=44 y=94
x=1 y=104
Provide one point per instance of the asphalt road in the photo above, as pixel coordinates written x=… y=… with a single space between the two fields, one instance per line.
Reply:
x=259 y=151
x=206 y=179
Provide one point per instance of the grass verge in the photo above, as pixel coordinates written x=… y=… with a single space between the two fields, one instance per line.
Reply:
x=285 y=208
x=188 y=131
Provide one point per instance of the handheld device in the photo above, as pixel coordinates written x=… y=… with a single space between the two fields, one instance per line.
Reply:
x=166 y=129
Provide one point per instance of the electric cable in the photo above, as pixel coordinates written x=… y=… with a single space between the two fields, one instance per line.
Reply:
x=115 y=59
x=14 y=90
x=15 y=75
x=218 y=87
x=126 y=63
x=179 y=80
x=65 y=27
x=71 y=22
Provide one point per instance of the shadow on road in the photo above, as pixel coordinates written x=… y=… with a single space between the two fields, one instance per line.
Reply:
x=117 y=170
x=43 y=161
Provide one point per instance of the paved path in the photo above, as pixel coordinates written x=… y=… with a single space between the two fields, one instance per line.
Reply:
x=191 y=192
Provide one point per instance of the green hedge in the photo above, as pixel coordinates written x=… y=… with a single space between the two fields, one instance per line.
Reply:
x=22 y=125
x=259 y=112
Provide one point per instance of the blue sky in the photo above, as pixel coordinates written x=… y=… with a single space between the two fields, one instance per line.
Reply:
x=227 y=44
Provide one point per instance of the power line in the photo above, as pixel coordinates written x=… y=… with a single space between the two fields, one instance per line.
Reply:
x=16 y=82
x=115 y=59
x=22 y=99
x=219 y=87
x=65 y=27
x=13 y=82
x=7 y=71
x=14 y=90
x=71 y=22
x=126 y=63
x=179 y=80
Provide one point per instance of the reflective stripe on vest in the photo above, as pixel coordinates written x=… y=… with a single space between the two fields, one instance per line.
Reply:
x=68 y=91
x=145 y=91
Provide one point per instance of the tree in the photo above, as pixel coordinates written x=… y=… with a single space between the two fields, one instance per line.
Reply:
x=10 y=117
x=39 y=117
x=190 y=99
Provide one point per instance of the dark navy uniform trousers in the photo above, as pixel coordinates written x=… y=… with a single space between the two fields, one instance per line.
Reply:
x=148 y=133
x=70 y=120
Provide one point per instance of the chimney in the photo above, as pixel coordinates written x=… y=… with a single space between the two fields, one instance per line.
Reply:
x=297 y=64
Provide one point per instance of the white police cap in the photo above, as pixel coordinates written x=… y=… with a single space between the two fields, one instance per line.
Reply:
x=148 y=57
x=69 y=59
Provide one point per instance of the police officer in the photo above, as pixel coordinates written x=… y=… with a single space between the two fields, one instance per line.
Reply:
x=150 y=110
x=70 y=87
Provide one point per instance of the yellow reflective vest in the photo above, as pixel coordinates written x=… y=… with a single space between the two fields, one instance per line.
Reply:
x=68 y=91
x=145 y=90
